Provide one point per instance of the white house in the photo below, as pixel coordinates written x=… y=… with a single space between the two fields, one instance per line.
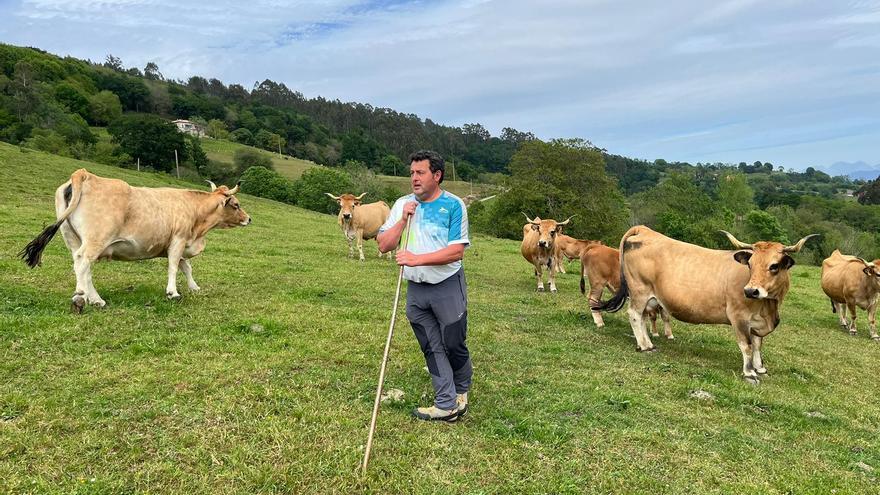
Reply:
x=189 y=127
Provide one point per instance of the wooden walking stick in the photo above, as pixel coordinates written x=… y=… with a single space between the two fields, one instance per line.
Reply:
x=385 y=357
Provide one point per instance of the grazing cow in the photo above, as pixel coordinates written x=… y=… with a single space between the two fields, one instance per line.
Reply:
x=600 y=265
x=107 y=219
x=849 y=282
x=570 y=249
x=540 y=249
x=359 y=221
x=742 y=288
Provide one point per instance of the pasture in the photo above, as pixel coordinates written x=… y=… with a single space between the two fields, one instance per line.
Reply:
x=263 y=382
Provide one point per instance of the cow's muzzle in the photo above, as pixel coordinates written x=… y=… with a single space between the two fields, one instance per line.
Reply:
x=752 y=292
x=346 y=216
x=543 y=244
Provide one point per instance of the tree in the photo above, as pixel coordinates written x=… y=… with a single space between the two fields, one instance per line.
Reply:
x=216 y=128
x=105 y=107
x=309 y=190
x=242 y=136
x=151 y=71
x=735 y=194
x=197 y=155
x=114 y=63
x=557 y=180
x=245 y=158
x=265 y=183
x=150 y=138
x=762 y=226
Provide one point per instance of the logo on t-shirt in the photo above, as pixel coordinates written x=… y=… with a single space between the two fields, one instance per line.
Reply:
x=443 y=210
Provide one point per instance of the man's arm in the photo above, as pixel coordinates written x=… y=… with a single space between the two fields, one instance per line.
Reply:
x=449 y=254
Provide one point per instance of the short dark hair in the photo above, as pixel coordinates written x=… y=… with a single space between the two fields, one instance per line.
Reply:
x=435 y=161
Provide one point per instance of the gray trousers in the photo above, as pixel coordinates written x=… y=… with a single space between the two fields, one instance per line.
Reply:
x=438 y=316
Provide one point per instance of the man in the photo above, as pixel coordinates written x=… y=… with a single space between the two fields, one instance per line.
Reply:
x=436 y=296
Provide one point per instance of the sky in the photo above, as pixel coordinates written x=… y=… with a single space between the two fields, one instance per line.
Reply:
x=795 y=83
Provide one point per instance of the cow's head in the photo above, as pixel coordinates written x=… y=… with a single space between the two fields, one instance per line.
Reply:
x=547 y=230
x=347 y=204
x=768 y=264
x=872 y=270
x=231 y=214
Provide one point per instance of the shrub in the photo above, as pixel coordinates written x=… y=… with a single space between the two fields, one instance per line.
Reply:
x=265 y=183
x=310 y=189
x=246 y=158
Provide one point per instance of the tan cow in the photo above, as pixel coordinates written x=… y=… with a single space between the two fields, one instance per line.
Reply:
x=107 y=219
x=849 y=282
x=600 y=265
x=540 y=249
x=570 y=249
x=743 y=288
x=359 y=221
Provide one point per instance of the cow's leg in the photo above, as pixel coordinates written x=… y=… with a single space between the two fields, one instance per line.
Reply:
x=560 y=266
x=595 y=297
x=841 y=315
x=852 y=315
x=636 y=314
x=653 y=315
x=540 y=276
x=667 y=325
x=360 y=242
x=757 y=361
x=551 y=276
x=85 y=292
x=350 y=239
x=186 y=268
x=175 y=254
x=744 y=341
x=872 y=326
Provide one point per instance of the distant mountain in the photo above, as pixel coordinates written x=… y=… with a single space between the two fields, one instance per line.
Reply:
x=855 y=170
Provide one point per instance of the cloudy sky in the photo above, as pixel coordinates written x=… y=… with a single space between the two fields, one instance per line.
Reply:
x=796 y=83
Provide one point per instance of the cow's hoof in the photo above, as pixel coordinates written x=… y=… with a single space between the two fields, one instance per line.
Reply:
x=540 y=289
x=752 y=380
x=650 y=349
x=670 y=337
x=99 y=303
x=655 y=335
x=853 y=333
x=172 y=297
x=761 y=371
x=195 y=288
x=600 y=325
x=876 y=338
x=553 y=291
x=77 y=304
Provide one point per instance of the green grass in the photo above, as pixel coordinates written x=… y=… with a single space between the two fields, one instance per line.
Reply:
x=288 y=166
x=264 y=381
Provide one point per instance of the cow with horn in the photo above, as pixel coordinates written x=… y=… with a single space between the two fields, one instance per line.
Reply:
x=539 y=247
x=743 y=288
x=359 y=221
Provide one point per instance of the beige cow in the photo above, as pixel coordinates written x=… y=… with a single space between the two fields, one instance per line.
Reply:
x=743 y=288
x=849 y=282
x=359 y=221
x=540 y=249
x=107 y=219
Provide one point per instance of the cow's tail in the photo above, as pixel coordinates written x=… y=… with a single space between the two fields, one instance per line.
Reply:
x=833 y=306
x=583 y=284
x=32 y=254
x=616 y=302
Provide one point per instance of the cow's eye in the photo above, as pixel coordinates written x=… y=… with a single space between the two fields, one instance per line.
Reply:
x=553 y=234
x=774 y=267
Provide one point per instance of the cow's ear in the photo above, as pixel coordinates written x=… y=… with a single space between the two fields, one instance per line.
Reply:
x=868 y=271
x=534 y=227
x=786 y=262
x=742 y=257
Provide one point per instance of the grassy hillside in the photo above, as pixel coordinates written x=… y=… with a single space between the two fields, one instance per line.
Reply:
x=288 y=166
x=263 y=382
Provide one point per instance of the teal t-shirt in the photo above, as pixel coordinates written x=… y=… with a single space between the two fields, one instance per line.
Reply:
x=435 y=225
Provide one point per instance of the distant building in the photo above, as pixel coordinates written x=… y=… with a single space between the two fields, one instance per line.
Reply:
x=189 y=127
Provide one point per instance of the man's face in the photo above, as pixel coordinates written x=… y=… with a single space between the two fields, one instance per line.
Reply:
x=423 y=182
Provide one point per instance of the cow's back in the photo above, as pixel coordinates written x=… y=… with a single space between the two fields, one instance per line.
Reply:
x=693 y=283
x=102 y=208
x=370 y=217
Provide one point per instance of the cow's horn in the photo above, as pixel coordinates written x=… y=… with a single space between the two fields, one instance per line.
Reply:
x=736 y=242
x=362 y=196
x=213 y=187
x=529 y=219
x=566 y=221
x=797 y=247
x=234 y=189
x=332 y=196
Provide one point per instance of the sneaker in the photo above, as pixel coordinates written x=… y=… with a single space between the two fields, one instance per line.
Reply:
x=461 y=400
x=434 y=413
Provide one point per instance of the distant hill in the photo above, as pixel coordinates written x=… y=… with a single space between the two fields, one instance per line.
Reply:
x=855 y=170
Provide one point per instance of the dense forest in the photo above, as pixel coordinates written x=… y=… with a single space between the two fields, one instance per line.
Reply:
x=56 y=104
